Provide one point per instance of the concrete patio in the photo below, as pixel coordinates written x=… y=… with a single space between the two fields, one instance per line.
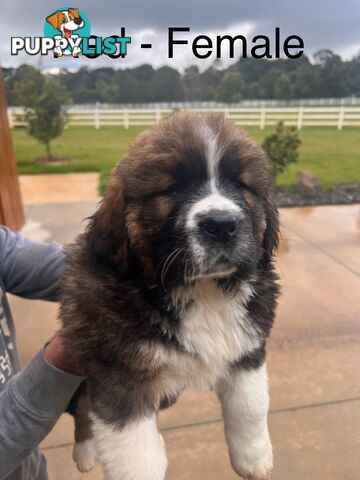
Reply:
x=313 y=359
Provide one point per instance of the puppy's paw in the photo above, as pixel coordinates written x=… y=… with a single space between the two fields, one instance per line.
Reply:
x=255 y=463
x=84 y=455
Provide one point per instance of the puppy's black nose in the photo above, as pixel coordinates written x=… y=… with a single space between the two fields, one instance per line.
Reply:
x=78 y=21
x=218 y=226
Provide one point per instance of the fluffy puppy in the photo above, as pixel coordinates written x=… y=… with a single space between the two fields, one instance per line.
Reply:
x=172 y=285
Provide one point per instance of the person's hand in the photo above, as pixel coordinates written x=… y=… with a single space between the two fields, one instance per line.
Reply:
x=55 y=354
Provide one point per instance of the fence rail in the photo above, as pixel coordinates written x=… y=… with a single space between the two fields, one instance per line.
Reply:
x=339 y=116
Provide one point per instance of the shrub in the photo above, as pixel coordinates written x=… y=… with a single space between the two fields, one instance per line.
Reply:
x=282 y=147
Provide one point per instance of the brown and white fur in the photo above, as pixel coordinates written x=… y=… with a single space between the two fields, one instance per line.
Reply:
x=171 y=286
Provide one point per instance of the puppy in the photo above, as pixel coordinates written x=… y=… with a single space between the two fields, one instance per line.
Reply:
x=172 y=285
x=67 y=22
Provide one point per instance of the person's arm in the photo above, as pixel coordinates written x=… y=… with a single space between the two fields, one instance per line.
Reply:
x=33 y=401
x=30 y=269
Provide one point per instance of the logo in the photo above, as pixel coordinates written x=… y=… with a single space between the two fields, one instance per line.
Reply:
x=70 y=26
x=67 y=33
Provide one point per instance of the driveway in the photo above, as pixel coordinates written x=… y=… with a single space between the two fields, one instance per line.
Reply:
x=313 y=356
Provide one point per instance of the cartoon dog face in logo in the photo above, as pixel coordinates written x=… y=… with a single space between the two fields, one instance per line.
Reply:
x=67 y=22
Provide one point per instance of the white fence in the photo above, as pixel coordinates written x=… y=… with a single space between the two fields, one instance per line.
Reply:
x=296 y=102
x=301 y=116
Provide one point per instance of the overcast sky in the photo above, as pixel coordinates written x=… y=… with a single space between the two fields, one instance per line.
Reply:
x=321 y=23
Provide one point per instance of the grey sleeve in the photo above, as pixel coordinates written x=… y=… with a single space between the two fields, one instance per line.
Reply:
x=30 y=405
x=30 y=269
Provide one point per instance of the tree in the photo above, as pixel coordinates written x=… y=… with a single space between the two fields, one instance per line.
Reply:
x=307 y=82
x=209 y=81
x=282 y=147
x=192 y=83
x=231 y=88
x=28 y=84
x=322 y=57
x=166 y=85
x=283 y=89
x=326 y=76
x=46 y=117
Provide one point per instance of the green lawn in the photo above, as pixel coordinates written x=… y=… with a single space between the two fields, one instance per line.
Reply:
x=332 y=155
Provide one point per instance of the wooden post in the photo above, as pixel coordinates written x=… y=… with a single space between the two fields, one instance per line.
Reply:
x=300 y=119
x=341 y=117
x=11 y=211
x=262 y=117
x=97 y=116
x=126 y=119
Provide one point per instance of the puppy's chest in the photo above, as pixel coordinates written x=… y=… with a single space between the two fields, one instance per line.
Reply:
x=214 y=332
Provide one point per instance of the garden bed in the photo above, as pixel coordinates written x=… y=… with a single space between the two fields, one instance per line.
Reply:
x=338 y=195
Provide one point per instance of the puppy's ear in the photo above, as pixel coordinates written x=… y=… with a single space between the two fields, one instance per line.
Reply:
x=271 y=235
x=106 y=234
x=75 y=12
x=55 y=20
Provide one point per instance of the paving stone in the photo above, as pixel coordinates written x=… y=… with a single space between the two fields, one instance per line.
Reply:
x=59 y=187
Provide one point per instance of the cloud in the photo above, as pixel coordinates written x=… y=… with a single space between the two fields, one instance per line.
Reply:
x=322 y=24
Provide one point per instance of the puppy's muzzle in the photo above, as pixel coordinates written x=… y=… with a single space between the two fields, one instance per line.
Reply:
x=218 y=226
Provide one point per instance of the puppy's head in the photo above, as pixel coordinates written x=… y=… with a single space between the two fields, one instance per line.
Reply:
x=191 y=200
x=66 y=21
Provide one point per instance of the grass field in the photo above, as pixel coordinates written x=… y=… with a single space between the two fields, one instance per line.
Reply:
x=332 y=155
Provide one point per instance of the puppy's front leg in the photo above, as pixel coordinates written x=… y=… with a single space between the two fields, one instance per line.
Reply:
x=133 y=452
x=245 y=402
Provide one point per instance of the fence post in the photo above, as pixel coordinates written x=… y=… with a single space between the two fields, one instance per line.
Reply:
x=97 y=116
x=300 y=118
x=126 y=119
x=341 y=117
x=157 y=115
x=262 y=118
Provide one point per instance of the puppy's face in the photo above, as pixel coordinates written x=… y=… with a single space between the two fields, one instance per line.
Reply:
x=195 y=201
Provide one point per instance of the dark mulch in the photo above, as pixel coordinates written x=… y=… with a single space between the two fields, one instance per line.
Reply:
x=295 y=196
x=54 y=160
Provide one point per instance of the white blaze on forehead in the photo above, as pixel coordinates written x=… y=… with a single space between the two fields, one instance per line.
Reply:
x=215 y=200
x=213 y=151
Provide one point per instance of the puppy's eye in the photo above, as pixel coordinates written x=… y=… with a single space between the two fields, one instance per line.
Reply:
x=173 y=188
x=64 y=20
x=242 y=185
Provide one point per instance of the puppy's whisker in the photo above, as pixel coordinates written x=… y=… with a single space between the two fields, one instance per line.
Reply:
x=167 y=259
x=162 y=264
x=167 y=264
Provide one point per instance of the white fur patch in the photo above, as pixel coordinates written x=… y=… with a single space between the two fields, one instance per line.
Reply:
x=84 y=455
x=214 y=201
x=213 y=327
x=134 y=452
x=245 y=405
x=213 y=152
x=215 y=331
